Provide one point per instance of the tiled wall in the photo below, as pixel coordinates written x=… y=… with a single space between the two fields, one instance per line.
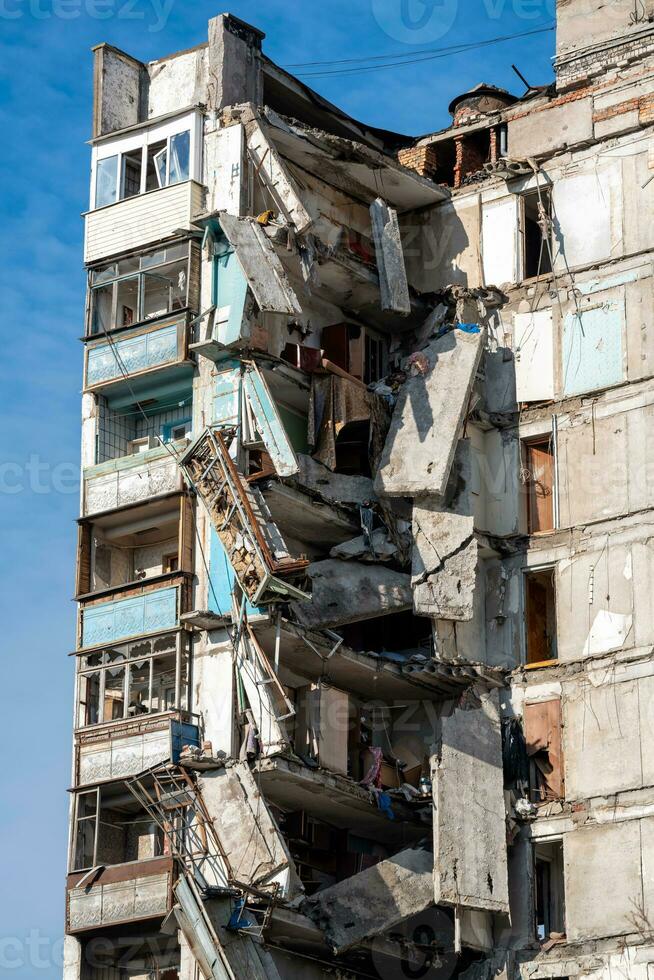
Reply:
x=117 y=429
x=114 y=432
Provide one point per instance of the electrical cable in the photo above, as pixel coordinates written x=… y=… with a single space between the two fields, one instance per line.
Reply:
x=435 y=55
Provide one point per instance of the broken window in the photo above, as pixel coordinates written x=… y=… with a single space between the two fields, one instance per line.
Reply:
x=141 y=287
x=86 y=820
x=536 y=237
x=146 y=677
x=542 y=726
x=538 y=476
x=359 y=351
x=111 y=828
x=549 y=891
x=540 y=602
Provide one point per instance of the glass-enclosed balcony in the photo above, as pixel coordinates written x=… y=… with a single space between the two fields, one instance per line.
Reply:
x=145 y=185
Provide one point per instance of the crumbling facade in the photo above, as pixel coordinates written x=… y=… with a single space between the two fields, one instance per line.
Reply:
x=364 y=568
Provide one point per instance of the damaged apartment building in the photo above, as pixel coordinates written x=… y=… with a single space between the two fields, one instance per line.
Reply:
x=364 y=655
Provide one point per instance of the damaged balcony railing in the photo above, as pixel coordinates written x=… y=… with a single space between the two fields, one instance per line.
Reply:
x=171 y=799
x=252 y=542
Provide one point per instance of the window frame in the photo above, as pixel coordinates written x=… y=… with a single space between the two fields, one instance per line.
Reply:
x=533 y=191
x=527 y=443
x=528 y=572
x=141 y=276
x=141 y=139
x=74 y=836
x=182 y=689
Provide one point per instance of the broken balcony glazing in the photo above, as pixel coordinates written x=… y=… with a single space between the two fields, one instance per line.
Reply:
x=142 y=287
x=130 y=680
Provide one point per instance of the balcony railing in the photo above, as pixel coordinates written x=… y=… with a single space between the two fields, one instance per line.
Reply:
x=119 y=894
x=134 y=610
x=141 y=220
x=159 y=347
x=131 y=479
x=117 y=750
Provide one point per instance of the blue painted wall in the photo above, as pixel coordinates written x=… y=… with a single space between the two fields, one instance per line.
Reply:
x=592 y=349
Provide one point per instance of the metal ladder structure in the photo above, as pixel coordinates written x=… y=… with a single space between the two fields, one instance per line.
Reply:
x=232 y=506
x=170 y=797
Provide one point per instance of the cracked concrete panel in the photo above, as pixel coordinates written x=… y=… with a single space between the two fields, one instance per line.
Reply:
x=602 y=861
x=274 y=175
x=470 y=859
x=348 y=591
x=444 y=565
x=372 y=902
x=253 y=844
x=603 y=739
x=430 y=411
x=393 y=283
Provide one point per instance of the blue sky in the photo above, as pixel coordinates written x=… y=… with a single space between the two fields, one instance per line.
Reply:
x=45 y=117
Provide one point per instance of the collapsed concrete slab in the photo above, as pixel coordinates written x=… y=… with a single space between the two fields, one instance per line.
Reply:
x=264 y=272
x=470 y=860
x=346 y=592
x=375 y=900
x=445 y=553
x=248 y=833
x=428 y=417
x=378 y=547
x=335 y=488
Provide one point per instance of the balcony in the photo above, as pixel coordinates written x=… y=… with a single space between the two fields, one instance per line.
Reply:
x=158 y=351
x=141 y=220
x=131 y=479
x=117 y=895
x=134 y=610
x=125 y=748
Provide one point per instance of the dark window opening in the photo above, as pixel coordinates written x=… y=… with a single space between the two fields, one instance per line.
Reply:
x=549 y=891
x=541 y=616
x=396 y=633
x=352 y=449
x=132 y=955
x=443 y=173
x=537 y=242
x=538 y=459
x=132 y=163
